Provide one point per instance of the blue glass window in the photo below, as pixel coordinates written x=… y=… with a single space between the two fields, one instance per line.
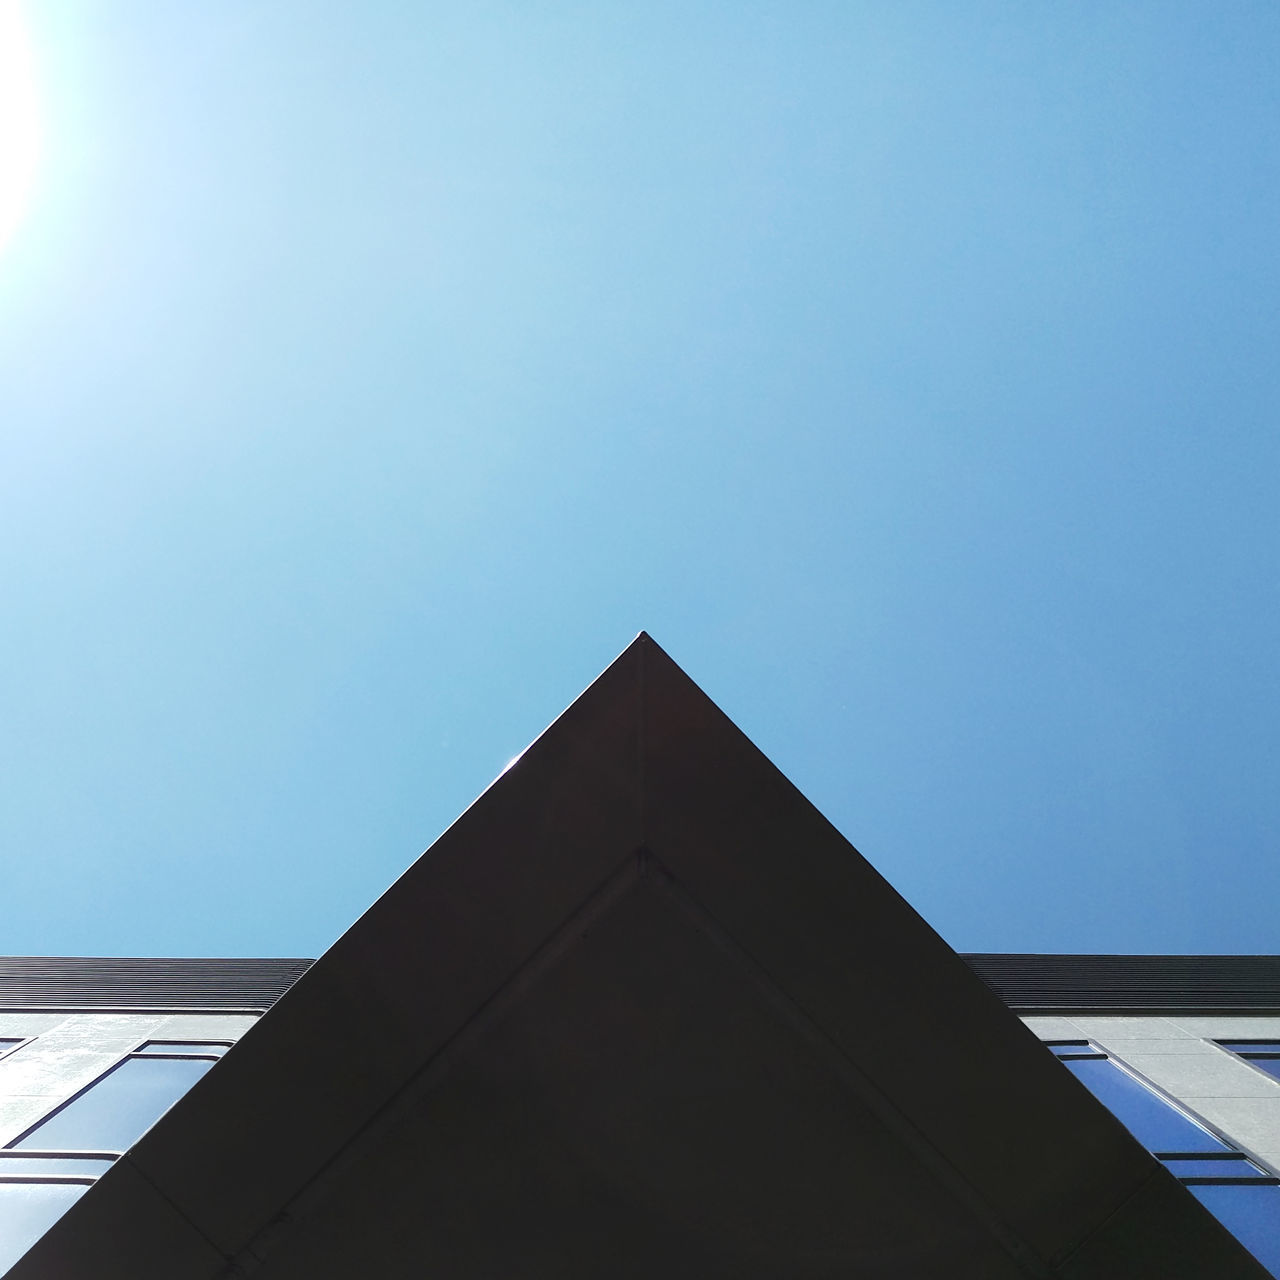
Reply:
x=1250 y=1213
x=1157 y=1124
x=8 y=1044
x=1263 y=1054
x=117 y=1109
x=44 y=1171
x=1073 y=1049
x=1244 y=1197
x=1237 y=1165
x=28 y=1210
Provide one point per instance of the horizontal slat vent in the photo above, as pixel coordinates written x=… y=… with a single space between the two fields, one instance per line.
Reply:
x=73 y=982
x=1062 y=982
x=1024 y=982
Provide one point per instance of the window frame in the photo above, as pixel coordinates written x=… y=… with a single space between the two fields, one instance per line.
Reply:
x=11 y=1044
x=138 y=1052
x=1080 y=1049
x=1262 y=1055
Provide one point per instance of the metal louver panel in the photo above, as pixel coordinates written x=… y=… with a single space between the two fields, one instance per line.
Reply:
x=1057 y=983
x=73 y=982
x=1026 y=983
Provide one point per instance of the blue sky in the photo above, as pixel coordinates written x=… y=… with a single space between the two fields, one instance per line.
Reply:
x=370 y=374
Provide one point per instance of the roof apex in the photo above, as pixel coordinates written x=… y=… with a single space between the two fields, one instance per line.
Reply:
x=640 y=1008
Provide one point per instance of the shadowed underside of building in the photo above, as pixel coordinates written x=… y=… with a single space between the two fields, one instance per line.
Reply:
x=642 y=1012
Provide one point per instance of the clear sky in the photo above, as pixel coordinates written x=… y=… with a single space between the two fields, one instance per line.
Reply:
x=371 y=373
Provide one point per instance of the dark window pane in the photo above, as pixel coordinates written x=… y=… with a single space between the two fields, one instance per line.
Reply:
x=27 y=1211
x=1251 y=1214
x=1270 y=1065
x=1237 y=1168
x=1157 y=1124
x=19 y=1166
x=184 y=1046
x=114 y=1113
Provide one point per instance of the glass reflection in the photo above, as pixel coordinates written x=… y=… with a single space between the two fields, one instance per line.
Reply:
x=1251 y=1214
x=1157 y=1124
x=28 y=1210
x=115 y=1111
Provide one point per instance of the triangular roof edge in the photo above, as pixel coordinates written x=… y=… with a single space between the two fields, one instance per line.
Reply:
x=642 y=764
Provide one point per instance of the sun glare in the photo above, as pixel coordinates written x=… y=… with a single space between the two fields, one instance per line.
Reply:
x=19 y=119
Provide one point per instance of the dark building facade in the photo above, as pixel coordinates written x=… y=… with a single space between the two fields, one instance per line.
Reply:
x=641 y=1012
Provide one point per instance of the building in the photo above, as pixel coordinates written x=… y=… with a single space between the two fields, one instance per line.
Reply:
x=92 y=1052
x=642 y=1011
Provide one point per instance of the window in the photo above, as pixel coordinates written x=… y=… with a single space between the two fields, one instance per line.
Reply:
x=1263 y=1054
x=44 y=1171
x=120 y=1106
x=1242 y=1195
x=1250 y=1211
x=28 y=1210
x=1156 y=1123
x=184 y=1048
x=9 y=1043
